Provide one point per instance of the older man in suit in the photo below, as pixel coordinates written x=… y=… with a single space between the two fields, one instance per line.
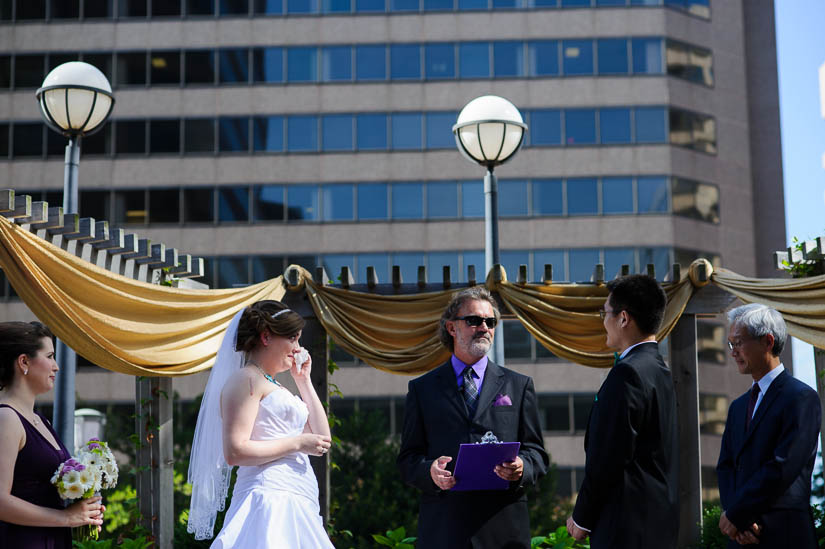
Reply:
x=770 y=440
x=457 y=403
x=629 y=494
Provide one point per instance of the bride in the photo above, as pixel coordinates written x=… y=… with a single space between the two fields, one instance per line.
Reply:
x=249 y=419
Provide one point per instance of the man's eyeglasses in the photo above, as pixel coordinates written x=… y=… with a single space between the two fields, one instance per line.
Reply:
x=736 y=344
x=603 y=313
x=475 y=321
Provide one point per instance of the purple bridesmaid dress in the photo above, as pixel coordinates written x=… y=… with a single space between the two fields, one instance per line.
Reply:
x=36 y=463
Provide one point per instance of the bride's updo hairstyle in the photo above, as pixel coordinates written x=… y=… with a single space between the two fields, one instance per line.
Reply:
x=263 y=316
x=18 y=338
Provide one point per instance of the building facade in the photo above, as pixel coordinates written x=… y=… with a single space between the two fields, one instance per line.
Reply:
x=259 y=133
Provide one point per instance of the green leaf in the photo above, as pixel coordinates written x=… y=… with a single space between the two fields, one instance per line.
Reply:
x=398 y=534
x=383 y=540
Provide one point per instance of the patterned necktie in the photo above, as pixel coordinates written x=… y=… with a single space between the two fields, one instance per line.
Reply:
x=751 y=405
x=470 y=391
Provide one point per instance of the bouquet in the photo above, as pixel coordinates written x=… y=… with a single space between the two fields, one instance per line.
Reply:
x=93 y=469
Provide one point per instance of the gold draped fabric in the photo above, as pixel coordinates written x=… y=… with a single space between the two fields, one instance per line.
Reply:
x=144 y=329
x=118 y=323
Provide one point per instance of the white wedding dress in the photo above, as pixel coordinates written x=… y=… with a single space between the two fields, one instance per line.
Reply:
x=275 y=505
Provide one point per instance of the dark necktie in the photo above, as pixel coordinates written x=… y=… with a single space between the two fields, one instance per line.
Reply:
x=751 y=405
x=470 y=391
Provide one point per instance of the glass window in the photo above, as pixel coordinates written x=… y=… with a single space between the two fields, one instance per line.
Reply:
x=336 y=6
x=704 y=133
x=379 y=261
x=199 y=135
x=439 y=60
x=199 y=67
x=574 y=3
x=435 y=5
x=334 y=262
x=582 y=196
x=269 y=203
x=611 y=2
x=548 y=197
x=302 y=6
x=302 y=202
x=233 y=203
x=612 y=54
x=652 y=194
x=650 y=125
x=4 y=140
x=103 y=62
x=689 y=62
x=98 y=143
x=269 y=7
x=407 y=132
x=647 y=55
x=27 y=139
x=56 y=59
x=711 y=342
x=555 y=416
x=302 y=64
x=659 y=257
x=130 y=136
x=268 y=64
x=544 y=3
x=369 y=6
x=469 y=5
x=371 y=132
x=436 y=261
x=130 y=207
x=695 y=200
x=544 y=58
x=268 y=133
x=370 y=62
x=336 y=132
x=266 y=267
x=95 y=204
x=409 y=263
x=338 y=202
x=233 y=65
x=336 y=63
x=164 y=136
x=31 y=9
x=132 y=8
x=614 y=258
x=5 y=71
x=166 y=8
x=404 y=5
x=582 y=262
x=472 y=199
x=405 y=61
x=372 y=201
x=548 y=257
x=545 y=127
x=617 y=195
x=232 y=271
x=512 y=197
x=198 y=205
x=577 y=56
x=233 y=7
x=713 y=413
x=508 y=59
x=582 y=404
x=476 y=260
x=516 y=340
x=302 y=133
x=511 y=260
x=200 y=7
x=580 y=126
x=56 y=144
x=29 y=70
x=407 y=201
x=165 y=67
x=131 y=68
x=614 y=125
x=474 y=59
x=442 y=200
x=164 y=205
x=440 y=130
x=233 y=134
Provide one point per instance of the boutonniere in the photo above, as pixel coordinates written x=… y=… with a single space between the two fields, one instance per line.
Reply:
x=502 y=400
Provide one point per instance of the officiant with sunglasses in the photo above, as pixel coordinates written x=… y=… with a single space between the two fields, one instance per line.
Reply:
x=458 y=403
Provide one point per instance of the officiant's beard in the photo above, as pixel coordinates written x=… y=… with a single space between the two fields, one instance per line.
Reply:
x=480 y=346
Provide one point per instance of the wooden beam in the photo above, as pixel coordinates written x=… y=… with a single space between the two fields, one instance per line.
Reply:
x=684 y=369
x=471 y=275
x=522 y=275
x=422 y=276
x=372 y=277
x=446 y=280
x=547 y=278
x=397 y=279
x=20 y=206
x=598 y=274
x=54 y=220
x=39 y=214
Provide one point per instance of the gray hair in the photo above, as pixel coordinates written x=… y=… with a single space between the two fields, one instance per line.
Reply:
x=760 y=320
x=478 y=293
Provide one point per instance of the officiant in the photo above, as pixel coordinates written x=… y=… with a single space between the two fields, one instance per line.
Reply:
x=457 y=403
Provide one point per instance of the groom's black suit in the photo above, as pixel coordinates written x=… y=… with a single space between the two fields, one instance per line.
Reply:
x=436 y=422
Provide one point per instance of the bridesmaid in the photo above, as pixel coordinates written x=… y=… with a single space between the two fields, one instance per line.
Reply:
x=32 y=515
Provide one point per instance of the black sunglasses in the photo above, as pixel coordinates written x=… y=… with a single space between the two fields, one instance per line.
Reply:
x=475 y=321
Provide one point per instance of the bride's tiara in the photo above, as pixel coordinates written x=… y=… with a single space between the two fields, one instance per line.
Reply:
x=279 y=313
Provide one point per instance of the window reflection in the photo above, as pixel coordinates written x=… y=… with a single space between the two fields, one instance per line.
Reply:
x=336 y=64
x=689 y=62
x=233 y=65
x=439 y=60
x=711 y=342
x=268 y=65
x=577 y=56
x=338 y=202
x=713 y=413
x=164 y=67
x=302 y=202
x=652 y=193
x=544 y=58
x=695 y=200
x=233 y=204
x=269 y=202
x=268 y=133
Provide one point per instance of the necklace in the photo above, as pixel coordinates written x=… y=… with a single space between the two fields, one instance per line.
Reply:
x=266 y=375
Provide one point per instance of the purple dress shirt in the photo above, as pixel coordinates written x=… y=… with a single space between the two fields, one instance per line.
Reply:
x=478 y=368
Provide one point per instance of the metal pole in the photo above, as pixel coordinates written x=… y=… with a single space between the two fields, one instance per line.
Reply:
x=491 y=253
x=64 y=390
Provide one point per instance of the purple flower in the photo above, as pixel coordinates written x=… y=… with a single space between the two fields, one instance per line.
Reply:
x=502 y=400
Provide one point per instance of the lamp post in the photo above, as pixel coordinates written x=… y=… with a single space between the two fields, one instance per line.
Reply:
x=75 y=100
x=489 y=131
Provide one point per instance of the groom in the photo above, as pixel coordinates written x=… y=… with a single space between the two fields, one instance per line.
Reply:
x=457 y=403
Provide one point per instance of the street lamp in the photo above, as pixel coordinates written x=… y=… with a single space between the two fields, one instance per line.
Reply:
x=75 y=100
x=489 y=131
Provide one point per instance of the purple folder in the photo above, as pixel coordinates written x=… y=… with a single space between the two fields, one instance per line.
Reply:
x=475 y=464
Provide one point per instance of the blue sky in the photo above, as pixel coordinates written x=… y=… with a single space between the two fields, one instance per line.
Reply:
x=801 y=51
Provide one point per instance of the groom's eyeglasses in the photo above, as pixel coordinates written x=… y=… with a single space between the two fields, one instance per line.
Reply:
x=475 y=321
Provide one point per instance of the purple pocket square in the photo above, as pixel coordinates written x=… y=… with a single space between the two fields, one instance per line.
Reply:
x=502 y=400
